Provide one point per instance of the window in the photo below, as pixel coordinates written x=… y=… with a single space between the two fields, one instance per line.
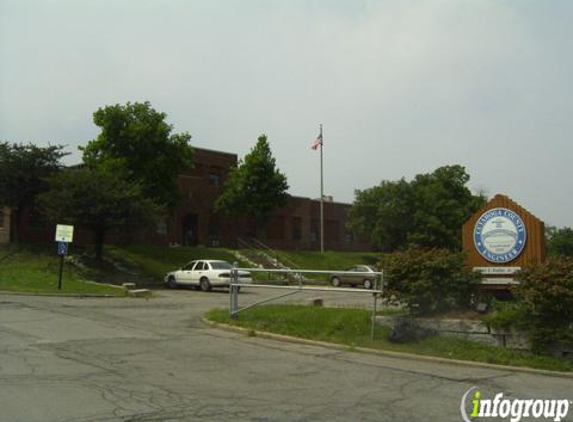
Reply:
x=314 y=231
x=189 y=266
x=213 y=230
x=348 y=237
x=200 y=266
x=162 y=227
x=296 y=228
x=221 y=265
x=214 y=179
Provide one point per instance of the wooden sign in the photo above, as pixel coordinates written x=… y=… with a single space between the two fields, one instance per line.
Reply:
x=502 y=237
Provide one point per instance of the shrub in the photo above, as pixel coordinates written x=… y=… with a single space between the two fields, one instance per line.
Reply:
x=546 y=294
x=429 y=280
x=506 y=315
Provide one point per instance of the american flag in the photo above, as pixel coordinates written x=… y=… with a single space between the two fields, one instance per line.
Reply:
x=317 y=142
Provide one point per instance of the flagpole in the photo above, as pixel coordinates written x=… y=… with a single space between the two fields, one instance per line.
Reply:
x=321 y=194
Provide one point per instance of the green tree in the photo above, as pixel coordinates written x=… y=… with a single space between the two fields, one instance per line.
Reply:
x=256 y=187
x=429 y=211
x=383 y=214
x=97 y=200
x=22 y=172
x=559 y=241
x=138 y=145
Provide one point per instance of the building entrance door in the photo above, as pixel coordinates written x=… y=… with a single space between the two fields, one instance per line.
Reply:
x=190 y=227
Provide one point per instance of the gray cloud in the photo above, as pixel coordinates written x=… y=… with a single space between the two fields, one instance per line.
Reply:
x=401 y=87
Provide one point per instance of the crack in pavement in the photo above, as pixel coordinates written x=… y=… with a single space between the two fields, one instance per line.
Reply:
x=151 y=361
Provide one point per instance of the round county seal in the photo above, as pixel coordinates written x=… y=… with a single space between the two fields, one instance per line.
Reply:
x=500 y=235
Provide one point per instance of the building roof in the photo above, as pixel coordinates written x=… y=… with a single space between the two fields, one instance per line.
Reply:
x=213 y=151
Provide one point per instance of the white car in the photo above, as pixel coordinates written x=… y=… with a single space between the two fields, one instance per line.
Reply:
x=205 y=274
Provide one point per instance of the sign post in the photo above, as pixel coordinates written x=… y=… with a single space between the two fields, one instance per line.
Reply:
x=64 y=236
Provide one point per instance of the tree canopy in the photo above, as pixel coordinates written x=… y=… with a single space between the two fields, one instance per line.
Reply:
x=256 y=187
x=22 y=172
x=559 y=241
x=138 y=145
x=428 y=211
x=97 y=200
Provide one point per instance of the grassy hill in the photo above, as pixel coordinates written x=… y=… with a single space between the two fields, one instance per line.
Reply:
x=35 y=267
x=154 y=261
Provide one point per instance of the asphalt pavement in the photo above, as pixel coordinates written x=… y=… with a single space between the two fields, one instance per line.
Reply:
x=127 y=359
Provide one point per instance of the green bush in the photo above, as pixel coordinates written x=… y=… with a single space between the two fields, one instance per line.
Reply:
x=429 y=280
x=505 y=315
x=545 y=293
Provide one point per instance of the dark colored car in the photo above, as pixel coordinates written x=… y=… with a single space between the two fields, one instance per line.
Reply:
x=362 y=277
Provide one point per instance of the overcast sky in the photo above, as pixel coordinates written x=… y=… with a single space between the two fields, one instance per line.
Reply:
x=401 y=87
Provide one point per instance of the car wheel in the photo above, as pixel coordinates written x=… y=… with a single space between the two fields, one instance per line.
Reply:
x=335 y=281
x=204 y=284
x=171 y=283
x=367 y=284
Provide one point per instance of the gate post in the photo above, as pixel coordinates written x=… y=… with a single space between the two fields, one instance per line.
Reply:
x=234 y=295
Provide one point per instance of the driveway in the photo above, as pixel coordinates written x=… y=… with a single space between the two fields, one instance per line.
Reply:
x=104 y=360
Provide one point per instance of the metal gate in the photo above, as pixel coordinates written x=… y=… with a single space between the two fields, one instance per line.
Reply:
x=234 y=309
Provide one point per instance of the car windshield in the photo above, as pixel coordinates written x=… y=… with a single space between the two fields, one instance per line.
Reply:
x=221 y=265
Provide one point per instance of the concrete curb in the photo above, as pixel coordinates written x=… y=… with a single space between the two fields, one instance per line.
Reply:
x=76 y=295
x=386 y=353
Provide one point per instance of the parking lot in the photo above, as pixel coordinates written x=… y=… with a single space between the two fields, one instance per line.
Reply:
x=100 y=359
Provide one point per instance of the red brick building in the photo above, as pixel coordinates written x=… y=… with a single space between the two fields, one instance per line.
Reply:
x=295 y=226
x=194 y=222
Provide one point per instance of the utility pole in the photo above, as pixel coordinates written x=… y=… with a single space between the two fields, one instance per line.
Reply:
x=321 y=195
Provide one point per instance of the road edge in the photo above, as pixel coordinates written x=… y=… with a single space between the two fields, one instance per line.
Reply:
x=385 y=353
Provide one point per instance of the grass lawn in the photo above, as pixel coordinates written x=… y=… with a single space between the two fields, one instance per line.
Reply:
x=35 y=269
x=329 y=260
x=351 y=327
x=154 y=261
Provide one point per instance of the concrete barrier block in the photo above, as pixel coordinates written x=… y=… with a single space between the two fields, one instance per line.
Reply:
x=316 y=301
x=140 y=293
x=456 y=325
x=483 y=338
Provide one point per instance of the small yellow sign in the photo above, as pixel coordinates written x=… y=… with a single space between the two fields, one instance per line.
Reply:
x=64 y=233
